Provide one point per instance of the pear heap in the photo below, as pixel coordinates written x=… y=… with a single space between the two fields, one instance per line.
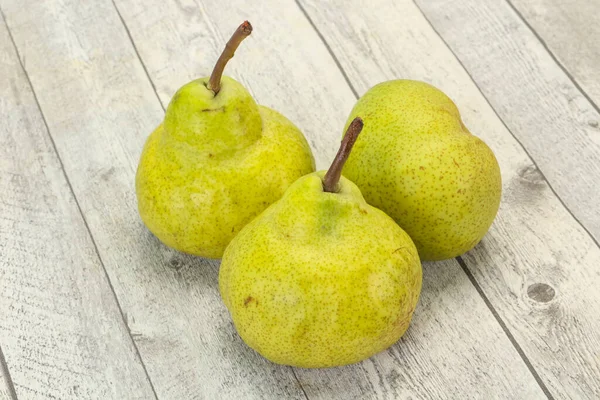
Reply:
x=321 y=278
x=418 y=162
x=217 y=161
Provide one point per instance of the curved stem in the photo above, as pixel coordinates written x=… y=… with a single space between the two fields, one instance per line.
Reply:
x=332 y=177
x=241 y=33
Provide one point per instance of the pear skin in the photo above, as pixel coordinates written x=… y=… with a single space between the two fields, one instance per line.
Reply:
x=416 y=161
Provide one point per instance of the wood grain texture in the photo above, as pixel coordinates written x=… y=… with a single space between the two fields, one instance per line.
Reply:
x=437 y=358
x=100 y=107
x=538 y=102
x=537 y=266
x=61 y=331
x=4 y=392
x=5 y=380
x=181 y=40
x=571 y=31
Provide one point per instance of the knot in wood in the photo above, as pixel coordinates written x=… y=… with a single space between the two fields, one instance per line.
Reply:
x=540 y=292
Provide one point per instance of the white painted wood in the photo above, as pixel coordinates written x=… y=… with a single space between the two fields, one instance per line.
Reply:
x=538 y=102
x=61 y=330
x=180 y=41
x=571 y=31
x=534 y=239
x=5 y=392
x=174 y=40
x=100 y=107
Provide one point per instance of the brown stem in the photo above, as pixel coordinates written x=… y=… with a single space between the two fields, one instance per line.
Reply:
x=241 y=33
x=332 y=177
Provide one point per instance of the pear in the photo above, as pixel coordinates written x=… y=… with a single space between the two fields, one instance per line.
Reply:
x=416 y=161
x=217 y=161
x=321 y=278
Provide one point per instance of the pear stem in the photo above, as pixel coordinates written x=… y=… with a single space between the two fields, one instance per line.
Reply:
x=332 y=177
x=241 y=33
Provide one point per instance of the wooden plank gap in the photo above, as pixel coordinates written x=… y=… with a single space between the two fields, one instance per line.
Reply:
x=331 y=53
x=535 y=164
x=507 y=331
x=8 y=382
x=553 y=56
x=299 y=383
x=85 y=222
x=460 y=261
x=137 y=53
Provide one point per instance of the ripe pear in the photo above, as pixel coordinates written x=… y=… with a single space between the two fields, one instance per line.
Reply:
x=416 y=161
x=321 y=278
x=216 y=162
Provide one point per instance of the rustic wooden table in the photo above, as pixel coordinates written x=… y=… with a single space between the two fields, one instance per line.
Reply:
x=92 y=306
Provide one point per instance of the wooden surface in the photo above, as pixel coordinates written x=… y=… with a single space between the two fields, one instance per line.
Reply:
x=504 y=265
x=550 y=117
x=157 y=50
x=93 y=306
x=535 y=98
x=6 y=386
x=571 y=32
x=59 y=314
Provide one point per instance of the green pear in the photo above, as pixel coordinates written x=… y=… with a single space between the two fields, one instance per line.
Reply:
x=321 y=278
x=217 y=161
x=416 y=161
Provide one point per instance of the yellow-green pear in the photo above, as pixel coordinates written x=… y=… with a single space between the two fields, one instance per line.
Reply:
x=418 y=162
x=321 y=278
x=217 y=161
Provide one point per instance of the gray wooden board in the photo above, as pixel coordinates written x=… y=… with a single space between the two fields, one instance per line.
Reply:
x=571 y=32
x=61 y=330
x=174 y=41
x=541 y=106
x=100 y=107
x=4 y=392
x=5 y=380
x=180 y=326
x=535 y=247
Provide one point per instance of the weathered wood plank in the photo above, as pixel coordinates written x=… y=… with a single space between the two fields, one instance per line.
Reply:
x=534 y=241
x=4 y=392
x=571 y=32
x=5 y=385
x=450 y=350
x=188 y=36
x=61 y=330
x=100 y=107
x=531 y=93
